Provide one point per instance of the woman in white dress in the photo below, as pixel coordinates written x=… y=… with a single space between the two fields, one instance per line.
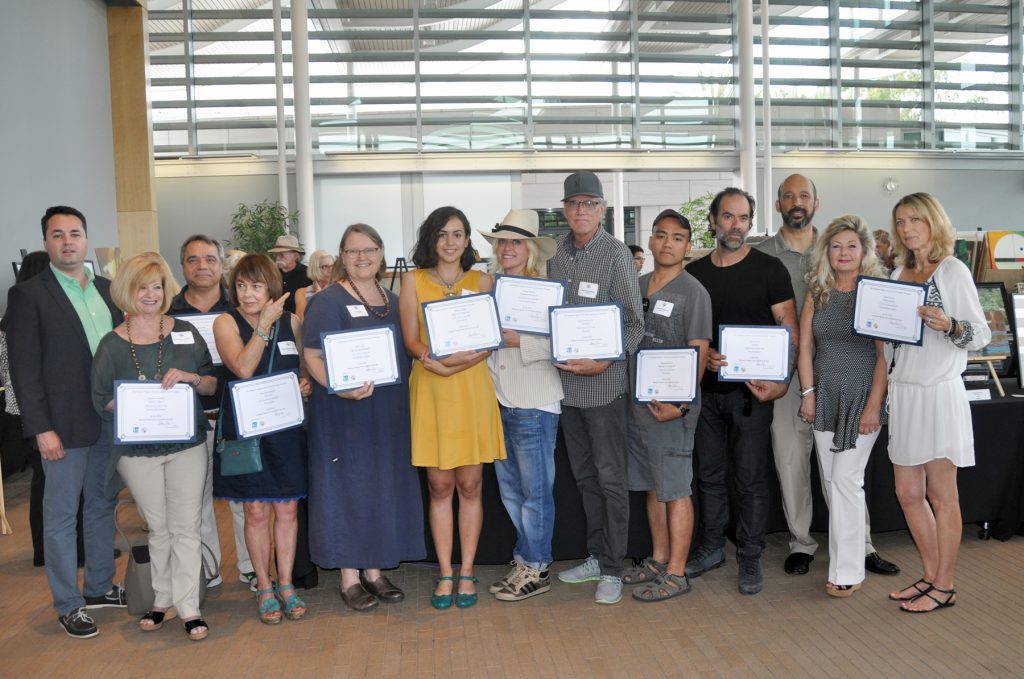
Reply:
x=930 y=432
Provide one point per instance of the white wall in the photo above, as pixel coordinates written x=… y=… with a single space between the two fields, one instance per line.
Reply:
x=55 y=123
x=484 y=197
x=371 y=199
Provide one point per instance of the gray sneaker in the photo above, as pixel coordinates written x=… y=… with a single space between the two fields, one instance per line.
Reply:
x=751 y=575
x=588 y=571
x=704 y=559
x=609 y=590
x=502 y=582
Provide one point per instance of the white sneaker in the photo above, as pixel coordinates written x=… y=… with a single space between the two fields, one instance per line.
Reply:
x=526 y=583
x=502 y=582
x=609 y=590
x=588 y=571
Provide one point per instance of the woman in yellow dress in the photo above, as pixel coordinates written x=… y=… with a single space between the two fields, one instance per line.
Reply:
x=456 y=425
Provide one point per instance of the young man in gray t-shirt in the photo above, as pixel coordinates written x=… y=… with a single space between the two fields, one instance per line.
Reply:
x=677 y=313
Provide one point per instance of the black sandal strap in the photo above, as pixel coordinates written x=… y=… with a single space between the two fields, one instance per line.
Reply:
x=192 y=624
x=156 y=617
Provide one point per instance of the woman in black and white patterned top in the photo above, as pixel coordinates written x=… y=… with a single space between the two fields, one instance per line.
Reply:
x=842 y=378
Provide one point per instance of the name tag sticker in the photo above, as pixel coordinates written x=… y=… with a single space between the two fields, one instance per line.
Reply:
x=586 y=289
x=357 y=310
x=183 y=337
x=663 y=308
x=467 y=291
x=287 y=349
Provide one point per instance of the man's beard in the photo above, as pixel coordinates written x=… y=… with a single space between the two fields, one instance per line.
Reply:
x=723 y=238
x=795 y=222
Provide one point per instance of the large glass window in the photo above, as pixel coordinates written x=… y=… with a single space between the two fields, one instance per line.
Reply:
x=458 y=75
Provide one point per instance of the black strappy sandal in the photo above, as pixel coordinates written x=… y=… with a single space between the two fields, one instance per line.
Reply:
x=916 y=586
x=156 y=617
x=949 y=602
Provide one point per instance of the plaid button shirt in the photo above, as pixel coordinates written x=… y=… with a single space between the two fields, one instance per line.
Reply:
x=607 y=263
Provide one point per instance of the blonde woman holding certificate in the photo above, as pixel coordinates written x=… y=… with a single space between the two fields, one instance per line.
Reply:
x=456 y=427
x=842 y=385
x=166 y=479
x=529 y=391
x=930 y=432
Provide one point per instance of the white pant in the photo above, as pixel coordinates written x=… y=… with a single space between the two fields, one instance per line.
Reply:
x=792 y=443
x=211 y=538
x=168 y=492
x=842 y=474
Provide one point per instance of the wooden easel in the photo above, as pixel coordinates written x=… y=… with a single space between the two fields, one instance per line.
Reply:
x=400 y=268
x=990 y=360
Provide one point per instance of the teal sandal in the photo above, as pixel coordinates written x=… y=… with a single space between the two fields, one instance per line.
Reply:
x=294 y=607
x=442 y=601
x=466 y=600
x=269 y=609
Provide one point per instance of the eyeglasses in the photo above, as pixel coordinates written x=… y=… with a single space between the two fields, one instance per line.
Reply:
x=368 y=252
x=326 y=267
x=576 y=204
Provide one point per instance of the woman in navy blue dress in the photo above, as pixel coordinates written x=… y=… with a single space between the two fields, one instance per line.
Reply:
x=245 y=339
x=366 y=511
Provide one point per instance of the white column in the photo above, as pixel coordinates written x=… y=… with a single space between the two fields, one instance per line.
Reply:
x=282 y=138
x=303 y=128
x=747 y=140
x=766 y=125
x=618 y=209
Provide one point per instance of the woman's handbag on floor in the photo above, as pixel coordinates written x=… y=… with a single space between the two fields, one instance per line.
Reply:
x=138 y=579
x=241 y=457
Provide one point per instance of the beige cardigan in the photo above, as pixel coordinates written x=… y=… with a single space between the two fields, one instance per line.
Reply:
x=525 y=375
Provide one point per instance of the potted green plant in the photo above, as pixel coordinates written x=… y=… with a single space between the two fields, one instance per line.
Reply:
x=696 y=211
x=255 y=228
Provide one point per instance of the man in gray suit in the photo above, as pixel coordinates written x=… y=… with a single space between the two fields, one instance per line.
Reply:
x=54 y=323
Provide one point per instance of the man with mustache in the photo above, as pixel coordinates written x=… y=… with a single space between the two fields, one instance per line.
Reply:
x=792 y=438
x=747 y=287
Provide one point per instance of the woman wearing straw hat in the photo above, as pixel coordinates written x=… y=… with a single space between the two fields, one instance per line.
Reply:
x=529 y=391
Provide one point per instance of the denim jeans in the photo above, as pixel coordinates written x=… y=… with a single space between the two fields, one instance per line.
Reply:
x=81 y=470
x=526 y=479
x=731 y=446
x=595 y=440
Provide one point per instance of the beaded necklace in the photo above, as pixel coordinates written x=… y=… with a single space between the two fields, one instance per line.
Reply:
x=372 y=310
x=135 y=359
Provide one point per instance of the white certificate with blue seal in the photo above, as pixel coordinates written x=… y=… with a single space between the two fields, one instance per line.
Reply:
x=887 y=310
x=267 y=404
x=666 y=375
x=523 y=302
x=145 y=412
x=754 y=352
x=354 y=357
x=593 y=331
x=466 y=323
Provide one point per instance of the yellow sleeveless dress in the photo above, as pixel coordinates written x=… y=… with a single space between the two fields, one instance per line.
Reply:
x=455 y=419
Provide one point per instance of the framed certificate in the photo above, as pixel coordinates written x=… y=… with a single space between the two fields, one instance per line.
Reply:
x=355 y=357
x=467 y=323
x=754 y=352
x=591 y=331
x=266 y=404
x=667 y=375
x=523 y=302
x=203 y=324
x=887 y=310
x=145 y=412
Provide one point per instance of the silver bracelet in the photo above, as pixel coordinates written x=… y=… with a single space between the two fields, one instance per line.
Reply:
x=805 y=392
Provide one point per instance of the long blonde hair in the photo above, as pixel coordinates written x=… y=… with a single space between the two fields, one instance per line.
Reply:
x=821 y=277
x=943 y=234
x=536 y=266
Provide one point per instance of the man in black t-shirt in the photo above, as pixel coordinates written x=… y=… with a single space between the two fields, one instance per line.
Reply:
x=747 y=287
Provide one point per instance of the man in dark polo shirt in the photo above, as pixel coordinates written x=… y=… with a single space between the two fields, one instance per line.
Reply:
x=202 y=262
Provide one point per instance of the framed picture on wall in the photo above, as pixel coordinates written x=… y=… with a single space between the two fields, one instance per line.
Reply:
x=995 y=305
